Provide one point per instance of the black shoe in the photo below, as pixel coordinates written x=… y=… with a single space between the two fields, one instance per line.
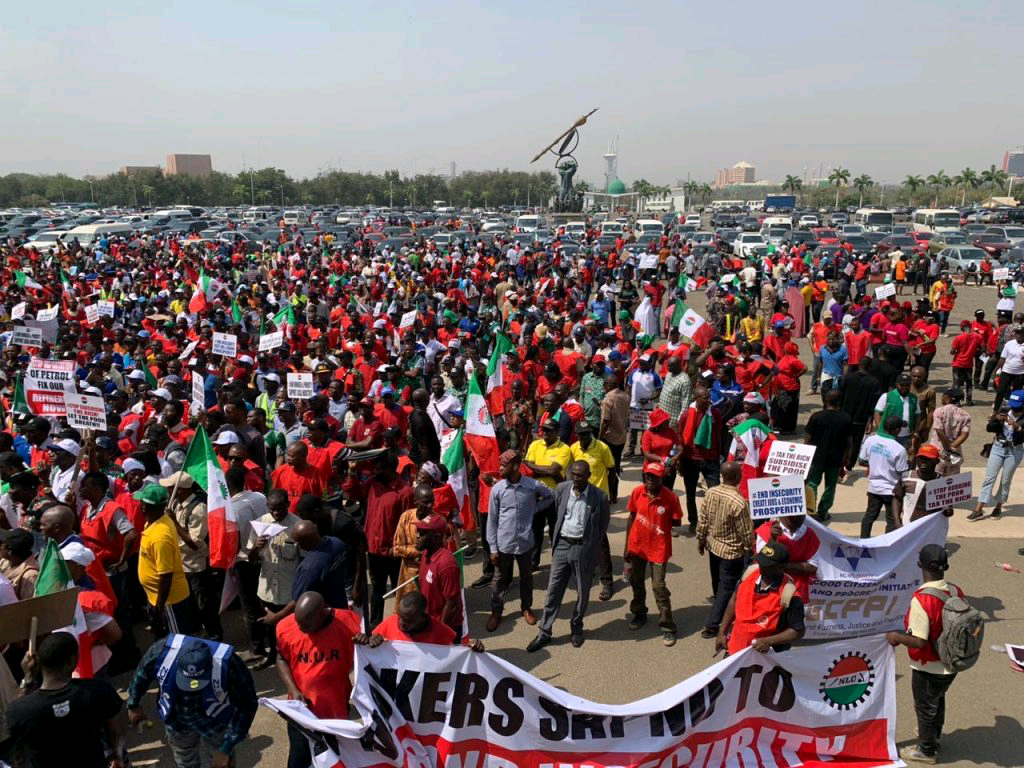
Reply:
x=692 y=529
x=483 y=581
x=1021 y=551
x=709 y=632
x=538 y=642
x=576 y=640
x=267 y=663
x=469 y=553
x=637 y=621
x=606 y=594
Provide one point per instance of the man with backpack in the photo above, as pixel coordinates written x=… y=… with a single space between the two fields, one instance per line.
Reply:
x=943 y=636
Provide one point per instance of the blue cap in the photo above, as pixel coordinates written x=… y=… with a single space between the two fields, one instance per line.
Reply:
x=195 y=666
x=1016 y=399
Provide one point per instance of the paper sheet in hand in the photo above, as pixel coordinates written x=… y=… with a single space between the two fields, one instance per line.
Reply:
x=267 y=529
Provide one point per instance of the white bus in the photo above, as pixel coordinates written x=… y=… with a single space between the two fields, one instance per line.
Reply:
x=873 y=218
x=718 y=204
x=937 y=220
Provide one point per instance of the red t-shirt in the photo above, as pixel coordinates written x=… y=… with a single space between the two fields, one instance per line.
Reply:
x=857 y=346
x=659 y=442
x=650 y=536
x=436 y=632
x=297 y=482
x=439 y=581
x=321 y=662
x=964 y=347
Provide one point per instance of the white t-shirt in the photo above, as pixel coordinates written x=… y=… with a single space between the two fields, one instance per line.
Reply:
x=1013 y=354
x=887 y=463
x=880 y=408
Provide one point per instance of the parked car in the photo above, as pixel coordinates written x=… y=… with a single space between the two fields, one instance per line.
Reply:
x=947 y=240
x=962 y=260
x=904 y=242
x=1013 y=235
x=993 y=245
x=744 y=245
x=825 y=235
x=808 y=221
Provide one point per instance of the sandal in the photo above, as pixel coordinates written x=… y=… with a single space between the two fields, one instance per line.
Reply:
x=976 y=515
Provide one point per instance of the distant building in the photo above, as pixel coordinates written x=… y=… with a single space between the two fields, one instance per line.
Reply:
x=189 y=165
x=131 y=170
x=741 y=173
x=1013 y=162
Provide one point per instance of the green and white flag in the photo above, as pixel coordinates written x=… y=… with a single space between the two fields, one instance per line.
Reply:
x=24 y=281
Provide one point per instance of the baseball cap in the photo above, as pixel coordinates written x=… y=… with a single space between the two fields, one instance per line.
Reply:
x=137 y=375
x=226 y=437
x=431 y=524
x=67 y=445
x=954 y=393
x=654 y=468
x=180 y=479
x=77 y=553
x=195 y=666
x=132 y=464
x=152 y=493
x=933 y=556
x=928 y=451
x=772 y=553
x=1016 y=399
x=162 y=393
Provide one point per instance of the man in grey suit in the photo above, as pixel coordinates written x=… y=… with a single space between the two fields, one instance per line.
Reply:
x=580 y=526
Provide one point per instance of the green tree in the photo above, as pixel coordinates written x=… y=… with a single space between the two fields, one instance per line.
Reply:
x=793 y=184
x=838 y=177
x=913 y=183
x=995 y=177
x=862 y=182
x=938 y=181
x=968 y=177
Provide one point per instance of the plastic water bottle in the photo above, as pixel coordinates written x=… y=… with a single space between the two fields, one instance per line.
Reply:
x=1008 y=567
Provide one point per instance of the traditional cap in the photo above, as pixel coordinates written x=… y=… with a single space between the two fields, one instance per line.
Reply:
x=510 y=457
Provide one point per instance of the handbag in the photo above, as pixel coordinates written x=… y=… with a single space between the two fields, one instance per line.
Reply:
x=986 y=449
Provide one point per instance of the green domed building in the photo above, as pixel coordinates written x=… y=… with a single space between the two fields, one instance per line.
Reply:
x=616 y=187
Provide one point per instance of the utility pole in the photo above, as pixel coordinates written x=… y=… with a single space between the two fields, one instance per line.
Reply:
x=391 y=195
x=252 y=187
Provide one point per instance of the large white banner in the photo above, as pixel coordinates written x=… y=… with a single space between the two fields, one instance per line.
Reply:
x=864 y=586
x=429 y=705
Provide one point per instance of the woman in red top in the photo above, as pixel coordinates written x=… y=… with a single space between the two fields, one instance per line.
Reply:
x=894 y=338
x=659 y=443
x=921 y=340
x=785 y=404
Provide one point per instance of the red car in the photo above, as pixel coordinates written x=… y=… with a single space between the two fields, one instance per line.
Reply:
x=993 y=245
x=825 y=236
x=922 y=237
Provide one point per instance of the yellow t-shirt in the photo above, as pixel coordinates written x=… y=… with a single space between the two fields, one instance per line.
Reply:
x=541 y=454
x=599 y=457
x=159 y=554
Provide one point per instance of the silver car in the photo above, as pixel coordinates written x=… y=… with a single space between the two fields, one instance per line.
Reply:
x=964 y=259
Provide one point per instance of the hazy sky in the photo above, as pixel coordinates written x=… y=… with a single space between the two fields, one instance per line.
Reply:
x=884 y=88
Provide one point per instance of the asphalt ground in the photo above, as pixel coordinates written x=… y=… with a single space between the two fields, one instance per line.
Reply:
x=616 y=665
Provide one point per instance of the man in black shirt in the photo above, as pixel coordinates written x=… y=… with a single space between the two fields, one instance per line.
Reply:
x=883 y=370
x=859 y=391
x=424 y=445
x=829 y=431
x=62 y=721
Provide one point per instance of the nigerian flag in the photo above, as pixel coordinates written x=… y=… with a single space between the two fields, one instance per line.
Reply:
x=454 y=459
x=236 y=311
x=201 y=465
x=24 y=281
x=284 y=318
x=19 y=404
x=55 y=576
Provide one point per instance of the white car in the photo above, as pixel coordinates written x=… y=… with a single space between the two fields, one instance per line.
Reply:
x=46 y=241
x=808 y=221
x=692 y=218
x=495 y=225
x=745 y=243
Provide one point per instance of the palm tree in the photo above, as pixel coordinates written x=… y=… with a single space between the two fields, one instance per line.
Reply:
x=691 y=188
x=705 y=192
x=793 y=183
x=938 y=181
x=862 y=182
x=994 y=176
x=968 y=177
x=839 y=176
x=914 y=182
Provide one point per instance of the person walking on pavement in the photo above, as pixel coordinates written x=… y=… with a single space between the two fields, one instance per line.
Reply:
x=700 y=432
x=930 y=678
x=205 y=698
x=652 y=507
x=511 y=509
x=951 y=426
x=829 y=431
x=726 y=534
x=859 y=390
x=614 y=429
x=1005 y=455
x=886 y=459
x=581 y=525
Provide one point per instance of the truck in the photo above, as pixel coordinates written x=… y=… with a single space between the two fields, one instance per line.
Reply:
x=779 y=202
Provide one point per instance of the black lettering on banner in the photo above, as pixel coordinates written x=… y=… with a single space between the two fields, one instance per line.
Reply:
x=431 y=695
x=556 y=727
x=506 y=689
x=617 y=726
x=468 y=700
x=777 y=692
x=687 y=713
x=582 y=724
x=702 y=703
x=397 y=689
x=745 y=675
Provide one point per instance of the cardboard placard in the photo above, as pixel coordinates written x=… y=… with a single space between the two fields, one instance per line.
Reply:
x=198 y=392
x=225 y=344
x=106 y=308
x=18 y=310
x=947 y=491
x=885 y=290
x=85 y=411
x=27 y=336
x=408 y=319
x=52 y=612
x=639 y=418
x=1003 y=273
x=778 y=496
x=46 y=315
x=269 y=341
x=648 y=261
x=848 y=269
x=188 y=350
x=785 y=458
x=92 y=314
x=300 y=386
x=46 y=381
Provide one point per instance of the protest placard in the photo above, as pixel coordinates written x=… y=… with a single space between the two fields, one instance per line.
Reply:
x=46 y=381
x=947 y=491
x=1003 y=273
x=269 y=341
x=18 y=310
x=186 y=353
x=408 y=319
x=52 y=612
x=848 y=269
x=106 y=308
x=885 y=290
x=785 y=458
x=85 y=411
x=649 y=261
x=27 y=336
x=777 y=496
x=92 y=314
x=46 y=315
x=300 y=386
x=225 y=344
x=198 y=392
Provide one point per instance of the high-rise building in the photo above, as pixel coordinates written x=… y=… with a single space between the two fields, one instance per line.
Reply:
x=189 y=165
x=131 y=170
x=1013 y=162
x=741 y=173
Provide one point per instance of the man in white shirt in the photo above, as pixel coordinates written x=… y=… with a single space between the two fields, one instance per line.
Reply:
x=1011 y=360
x=887 y=465
x=441 y=407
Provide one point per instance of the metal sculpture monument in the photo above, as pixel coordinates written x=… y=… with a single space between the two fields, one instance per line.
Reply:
x=568 y=200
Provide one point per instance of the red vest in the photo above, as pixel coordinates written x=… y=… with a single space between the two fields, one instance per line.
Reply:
x=91 y=601
x=757 y=615
x=100 y=536
x=933 y=607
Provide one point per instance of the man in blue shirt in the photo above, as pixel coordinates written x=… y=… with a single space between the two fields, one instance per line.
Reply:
x=834 y=362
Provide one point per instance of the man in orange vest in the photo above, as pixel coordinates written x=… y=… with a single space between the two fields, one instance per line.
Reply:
x=765 y=611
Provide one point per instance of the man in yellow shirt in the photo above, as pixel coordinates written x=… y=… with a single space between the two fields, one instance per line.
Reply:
x=161 y=572
x=546 y=459
x=591 y=450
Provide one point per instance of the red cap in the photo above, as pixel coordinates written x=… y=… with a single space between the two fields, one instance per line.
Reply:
x=431 y=524
x=654 y=468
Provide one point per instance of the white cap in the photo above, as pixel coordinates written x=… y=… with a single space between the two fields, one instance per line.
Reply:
x=272 y=377
x=137 y=375
x=68 y=445
x=132 y=464
x=163 y=393
x=226 y=438
x=244 y=359
x=77 y=553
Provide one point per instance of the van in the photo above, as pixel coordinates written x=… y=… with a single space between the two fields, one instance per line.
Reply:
x=529 y=223
x=174 y=213
x=648 y=227
x=294 y=217
x=777 y=221
x=576 y=228
x=89 y=234
x=612 y=228
x=253 y=215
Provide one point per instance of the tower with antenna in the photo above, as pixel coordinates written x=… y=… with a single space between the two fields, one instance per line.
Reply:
x=611 y=160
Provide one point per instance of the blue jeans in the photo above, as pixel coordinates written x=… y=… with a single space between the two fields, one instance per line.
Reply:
x=1002 y=457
